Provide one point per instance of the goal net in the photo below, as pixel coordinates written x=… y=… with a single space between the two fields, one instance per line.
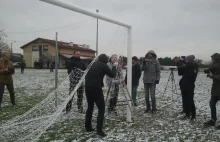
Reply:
x=70 y=95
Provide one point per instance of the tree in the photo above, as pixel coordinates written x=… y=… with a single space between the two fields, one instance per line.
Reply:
x=3 y=45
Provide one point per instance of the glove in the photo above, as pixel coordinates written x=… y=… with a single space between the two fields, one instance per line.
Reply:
x=115 y=64
x=157 y=81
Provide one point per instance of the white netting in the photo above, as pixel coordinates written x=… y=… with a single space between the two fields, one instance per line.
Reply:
x=69 y=95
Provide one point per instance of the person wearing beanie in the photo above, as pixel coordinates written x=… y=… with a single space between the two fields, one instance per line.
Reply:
x=189 y=72
x=136 y=74
x=214 y=74
x=151 y=68
x=94 y=93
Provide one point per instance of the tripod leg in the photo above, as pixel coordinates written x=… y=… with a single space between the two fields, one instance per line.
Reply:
x=130 y=99
x=166 y=85
x=172 y=84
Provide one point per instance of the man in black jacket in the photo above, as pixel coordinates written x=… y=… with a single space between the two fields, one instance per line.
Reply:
x=23 y=65
x=136 y=74
x=75 y=71
x=214 y=73
x=189 y=72
x=94 y=93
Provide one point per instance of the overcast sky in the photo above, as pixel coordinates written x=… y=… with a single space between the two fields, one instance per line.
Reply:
x=169 y=27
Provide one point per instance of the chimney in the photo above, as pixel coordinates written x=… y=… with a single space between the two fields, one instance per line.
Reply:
x=71 y=44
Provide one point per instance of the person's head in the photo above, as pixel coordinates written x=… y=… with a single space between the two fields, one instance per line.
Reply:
x=5 y=56
x=103 y=58
x=190 y=58
x=114 y=58
x=215 y=58
x=76 y=54
x=150 y=54
x=134 y=60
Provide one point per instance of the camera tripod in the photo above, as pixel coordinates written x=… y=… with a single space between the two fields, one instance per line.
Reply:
x=172 y=79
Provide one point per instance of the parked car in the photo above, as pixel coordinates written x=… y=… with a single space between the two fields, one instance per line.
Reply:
x=17 y=64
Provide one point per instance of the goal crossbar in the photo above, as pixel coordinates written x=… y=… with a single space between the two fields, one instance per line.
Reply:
x=84 y=11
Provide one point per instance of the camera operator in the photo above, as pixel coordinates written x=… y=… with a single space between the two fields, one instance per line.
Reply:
x=179 y=62
x=189 y=71
x=214 y=73
x=6 y=72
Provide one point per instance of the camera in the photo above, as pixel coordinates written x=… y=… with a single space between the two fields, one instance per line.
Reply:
x=206 y=71
x=172 y=69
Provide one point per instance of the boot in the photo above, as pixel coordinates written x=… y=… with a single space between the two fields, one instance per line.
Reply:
x=90 y=129
x=147 y=110
x=210 y=123
x=185 y=117
x=102 y=134
x=218 y=127
x=153 y=110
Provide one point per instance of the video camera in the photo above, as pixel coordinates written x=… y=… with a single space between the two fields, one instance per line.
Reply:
x=206 y=71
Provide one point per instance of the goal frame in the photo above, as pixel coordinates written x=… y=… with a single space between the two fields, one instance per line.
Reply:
x=84 y=11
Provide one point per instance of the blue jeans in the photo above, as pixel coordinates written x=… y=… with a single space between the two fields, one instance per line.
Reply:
x=134 y=93
x=213 y=101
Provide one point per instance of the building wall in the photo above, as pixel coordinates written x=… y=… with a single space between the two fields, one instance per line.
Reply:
x=70 y=51
x=31 y=56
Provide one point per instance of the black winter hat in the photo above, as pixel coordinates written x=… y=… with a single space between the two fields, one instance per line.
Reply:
x=103 y=58
x=216 y=56
x=135 y=58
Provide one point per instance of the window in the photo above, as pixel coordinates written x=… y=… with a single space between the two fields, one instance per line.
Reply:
x=45 y=47
x=35 y=48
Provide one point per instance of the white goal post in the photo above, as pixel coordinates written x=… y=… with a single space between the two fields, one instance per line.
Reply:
x=78 y=9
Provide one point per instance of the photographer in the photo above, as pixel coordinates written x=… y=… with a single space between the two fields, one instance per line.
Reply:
x=179 y=62
x=189 y=71
x=6 y=72
x=151 y=68
x=214 y=73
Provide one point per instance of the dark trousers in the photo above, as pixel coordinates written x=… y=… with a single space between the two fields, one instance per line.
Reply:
x=10 y=88
x=213 y=101
x=114 y=98
x=22 y=70
x=188 y=100
x=79 y=94
x=184 y=101
x=95 y=95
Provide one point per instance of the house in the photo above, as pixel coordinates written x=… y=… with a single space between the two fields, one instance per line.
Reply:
x=44 y=50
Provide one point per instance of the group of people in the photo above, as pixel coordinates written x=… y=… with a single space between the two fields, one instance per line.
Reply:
x=188 y=69
x=111 y=69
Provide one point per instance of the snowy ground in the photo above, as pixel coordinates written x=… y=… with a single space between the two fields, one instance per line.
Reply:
x=165 y=125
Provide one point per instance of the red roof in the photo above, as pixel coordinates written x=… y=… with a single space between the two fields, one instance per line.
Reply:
x=61 y=44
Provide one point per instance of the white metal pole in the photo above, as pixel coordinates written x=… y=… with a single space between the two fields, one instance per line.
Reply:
x=97 y=35
x=78 y=9
x=129 y=70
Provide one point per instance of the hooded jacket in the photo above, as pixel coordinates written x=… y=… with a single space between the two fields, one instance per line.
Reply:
x=98 y=70
x=6 y=78
x=119 y=73
x=151 y=68
x=215 y=69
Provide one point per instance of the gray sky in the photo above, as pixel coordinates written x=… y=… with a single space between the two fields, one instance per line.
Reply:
x=169 y=27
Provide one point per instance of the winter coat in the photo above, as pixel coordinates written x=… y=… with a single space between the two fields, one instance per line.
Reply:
x=136 y=74
x=6 y=77
x=75 y=63
x=189 y=73
x=98 y=70
x=151 y=68
x=215 y=69
x=23 y=65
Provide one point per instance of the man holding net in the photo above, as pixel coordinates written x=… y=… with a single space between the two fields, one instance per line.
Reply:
x=114 y=83
x=94 y=93
x=75 y=71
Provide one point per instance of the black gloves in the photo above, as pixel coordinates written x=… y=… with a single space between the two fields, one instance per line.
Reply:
x=157 y=81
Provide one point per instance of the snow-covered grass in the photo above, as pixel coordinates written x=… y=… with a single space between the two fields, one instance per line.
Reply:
x=165 y=125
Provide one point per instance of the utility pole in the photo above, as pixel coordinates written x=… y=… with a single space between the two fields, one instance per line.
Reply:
x=11 y=48
x=56 y=71
x=97 y=30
